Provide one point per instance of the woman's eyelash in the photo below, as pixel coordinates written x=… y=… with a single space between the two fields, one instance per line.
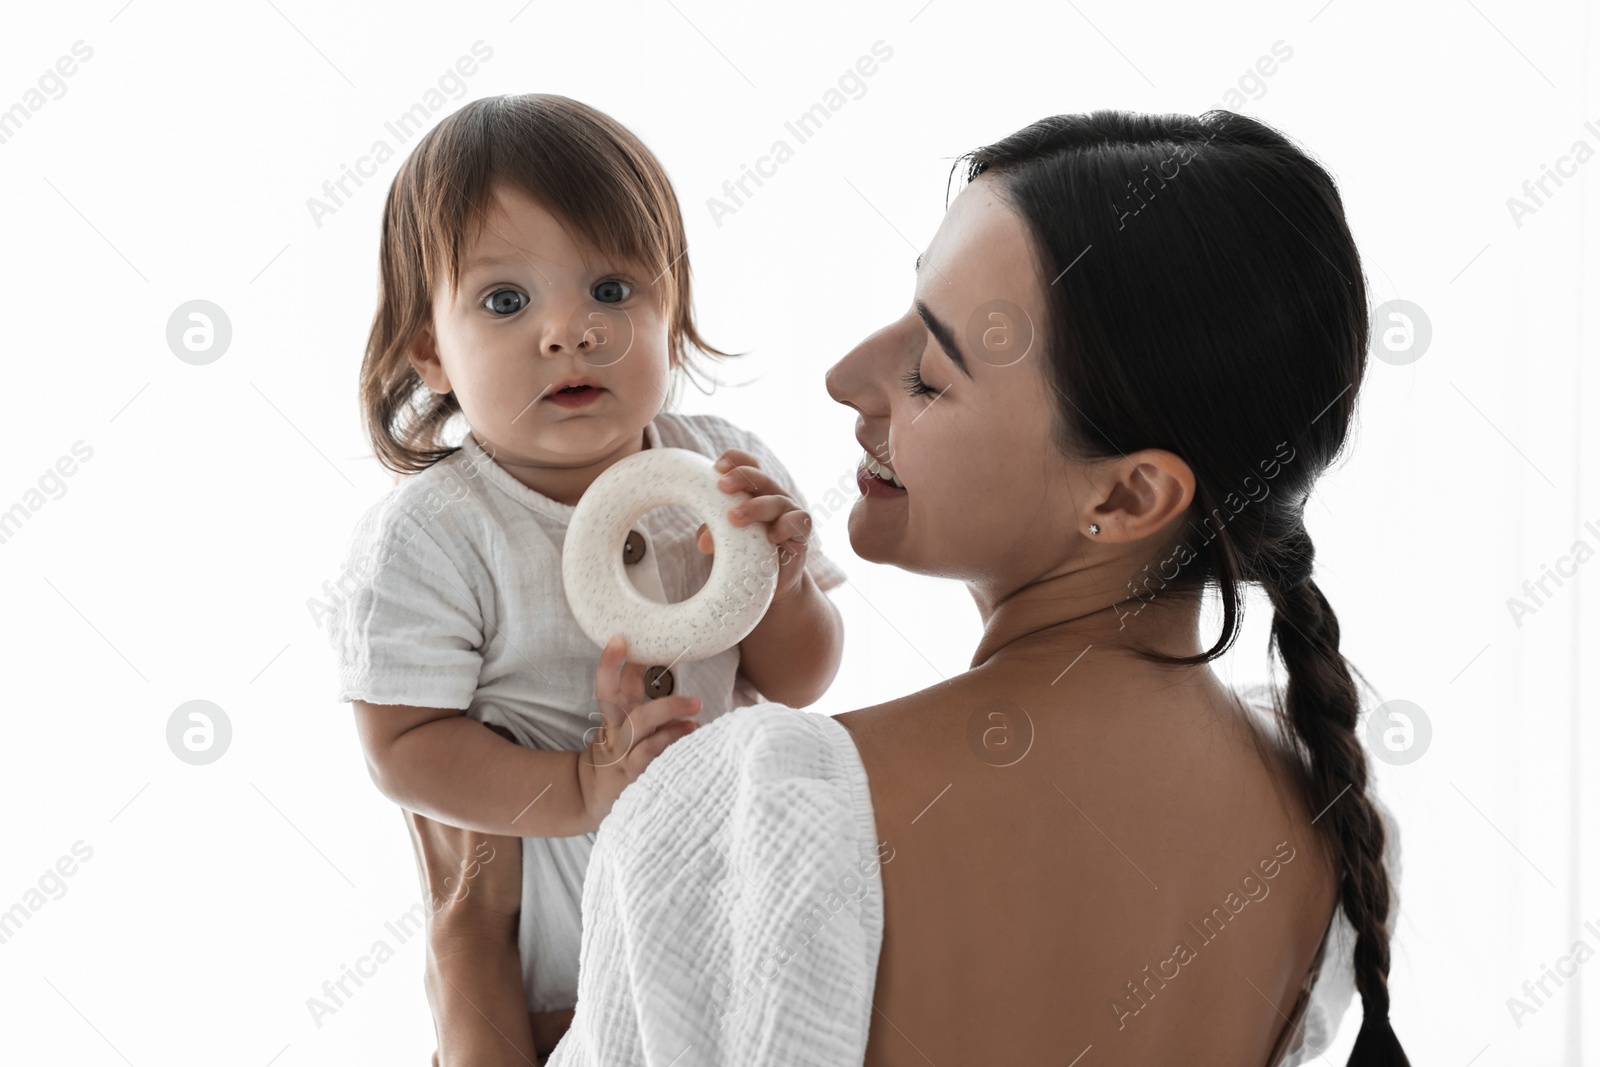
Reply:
x=914 y=383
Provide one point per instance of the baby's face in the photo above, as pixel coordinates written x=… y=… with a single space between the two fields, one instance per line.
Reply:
x=538 y=307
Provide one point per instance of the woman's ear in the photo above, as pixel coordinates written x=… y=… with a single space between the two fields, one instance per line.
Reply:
x=424 y=357
x=1140 y=494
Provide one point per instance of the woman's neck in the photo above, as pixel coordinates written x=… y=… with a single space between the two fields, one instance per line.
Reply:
x=1057 y=615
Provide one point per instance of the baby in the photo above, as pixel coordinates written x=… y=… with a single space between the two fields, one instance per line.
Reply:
x=534 y=280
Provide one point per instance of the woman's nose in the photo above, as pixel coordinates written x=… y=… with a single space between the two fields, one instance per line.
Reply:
x=861 y=378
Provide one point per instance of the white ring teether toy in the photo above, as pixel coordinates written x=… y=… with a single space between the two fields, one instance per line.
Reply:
x=721 y=613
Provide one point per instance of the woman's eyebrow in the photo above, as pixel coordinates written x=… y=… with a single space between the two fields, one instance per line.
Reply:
x=942 y=334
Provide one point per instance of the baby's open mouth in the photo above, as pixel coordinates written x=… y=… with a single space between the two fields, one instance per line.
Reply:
x=577 y=395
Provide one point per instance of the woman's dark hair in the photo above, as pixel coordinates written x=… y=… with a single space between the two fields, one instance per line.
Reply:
x=1204 y=296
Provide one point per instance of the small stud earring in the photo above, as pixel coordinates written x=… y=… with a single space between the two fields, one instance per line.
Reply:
x=1094 y=527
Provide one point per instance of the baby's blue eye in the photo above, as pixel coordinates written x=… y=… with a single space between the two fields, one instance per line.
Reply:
x=505 y=301
x=612 y=291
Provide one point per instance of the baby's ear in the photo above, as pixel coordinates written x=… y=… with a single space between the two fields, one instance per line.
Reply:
x=423 y=355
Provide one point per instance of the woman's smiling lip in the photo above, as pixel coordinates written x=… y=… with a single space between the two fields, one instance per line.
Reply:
x=865 y=477
x=871 y=485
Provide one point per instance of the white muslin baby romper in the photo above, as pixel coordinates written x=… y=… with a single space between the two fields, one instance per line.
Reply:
x=455 y=601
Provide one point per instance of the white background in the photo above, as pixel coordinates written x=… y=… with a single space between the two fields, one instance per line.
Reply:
x=179 y=561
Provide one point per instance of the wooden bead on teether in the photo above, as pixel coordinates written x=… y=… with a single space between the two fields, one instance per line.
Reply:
x=633 y=548
x=658 y=682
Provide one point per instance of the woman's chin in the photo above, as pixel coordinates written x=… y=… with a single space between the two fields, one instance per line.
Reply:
x=871 y=538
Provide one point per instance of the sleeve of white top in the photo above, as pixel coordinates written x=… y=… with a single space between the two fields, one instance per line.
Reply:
x=410 y=630
x=733 y=911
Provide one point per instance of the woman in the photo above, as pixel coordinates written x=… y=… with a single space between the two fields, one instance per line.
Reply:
x=1136 y=342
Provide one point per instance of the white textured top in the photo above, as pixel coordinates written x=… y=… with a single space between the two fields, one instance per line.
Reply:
x=454 y=600
x=734 y=909
x=714 y=885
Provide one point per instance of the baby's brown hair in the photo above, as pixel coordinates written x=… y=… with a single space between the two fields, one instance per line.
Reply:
x=583 y=166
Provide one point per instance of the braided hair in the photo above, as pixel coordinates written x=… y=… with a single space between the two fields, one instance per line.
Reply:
x=1208 y=299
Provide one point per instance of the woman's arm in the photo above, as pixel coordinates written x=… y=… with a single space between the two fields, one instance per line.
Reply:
x=472 y=878
x=473 y=885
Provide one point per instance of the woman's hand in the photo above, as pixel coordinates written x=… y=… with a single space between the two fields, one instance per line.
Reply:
x=634 y=731
x=788 y=525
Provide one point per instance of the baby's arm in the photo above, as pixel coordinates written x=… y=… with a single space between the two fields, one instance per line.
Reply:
x=454 y=769
x=793 y=654
x=474 y=977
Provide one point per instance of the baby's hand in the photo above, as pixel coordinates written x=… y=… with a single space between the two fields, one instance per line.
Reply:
x=788 y=526
x=634 y=733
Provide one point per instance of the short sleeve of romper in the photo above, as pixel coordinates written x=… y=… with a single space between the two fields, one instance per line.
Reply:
x=410 y=629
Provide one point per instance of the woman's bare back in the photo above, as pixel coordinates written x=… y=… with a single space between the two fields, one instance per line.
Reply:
x=1132 y=882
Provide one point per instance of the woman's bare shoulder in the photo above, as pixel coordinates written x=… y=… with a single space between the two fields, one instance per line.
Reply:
x=875 y=718
x=898 y=738
x=922 y=717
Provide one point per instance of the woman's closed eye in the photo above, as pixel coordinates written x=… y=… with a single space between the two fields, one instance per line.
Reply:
x=914 y=383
